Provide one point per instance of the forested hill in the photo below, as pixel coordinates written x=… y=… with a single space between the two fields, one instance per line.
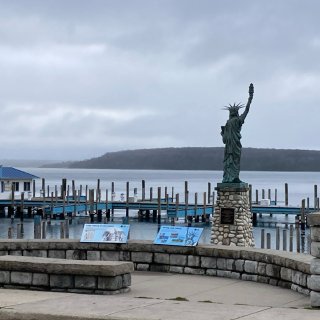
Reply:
x=201 y=159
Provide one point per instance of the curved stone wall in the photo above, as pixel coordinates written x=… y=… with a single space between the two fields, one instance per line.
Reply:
x=276 y=268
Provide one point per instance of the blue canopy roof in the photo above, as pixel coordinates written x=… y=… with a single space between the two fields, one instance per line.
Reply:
x=13 y=173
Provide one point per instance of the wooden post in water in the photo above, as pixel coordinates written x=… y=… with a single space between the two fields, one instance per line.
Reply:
x=48 y=191
x=22 y=206
x=291 y=238
x=19 y=230
x=66 y=231
x=303 y=214
x=263 y=194
x=262 y=239
x=277 y=238
x=275 y=197
x=10 y=233
x=91 y=204
x=34 y=188
x=159 y=205
x=196 y=216
x=209 y=192
x=268 y=240
x=98 y=197
x=151 y=194
x=269 y=194
x=62 y=230
x=172 y=193
x=206 y=216
x=177 y=205
x=298 y=238
x=143 y=191
x=315 y=197
x=43 y=187
x=286 y=195
x=113 y=195
x=284 y=239
x=107 y=205
x=64 y=187
x=80 y=191
x=257 y=196
x=127 y=200
x=43 y=229
x=186 y=190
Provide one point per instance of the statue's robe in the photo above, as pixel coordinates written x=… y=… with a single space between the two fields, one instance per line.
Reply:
x=231 y=137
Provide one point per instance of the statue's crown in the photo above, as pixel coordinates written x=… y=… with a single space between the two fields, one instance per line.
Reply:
x=234 y=107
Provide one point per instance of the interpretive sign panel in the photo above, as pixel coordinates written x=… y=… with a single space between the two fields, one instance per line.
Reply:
x=227 y=216
x=178 y=236
x=111 y=233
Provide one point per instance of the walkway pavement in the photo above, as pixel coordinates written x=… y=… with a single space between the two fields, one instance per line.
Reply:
x=163 y=296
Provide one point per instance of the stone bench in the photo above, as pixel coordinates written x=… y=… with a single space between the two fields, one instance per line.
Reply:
x=77 y=276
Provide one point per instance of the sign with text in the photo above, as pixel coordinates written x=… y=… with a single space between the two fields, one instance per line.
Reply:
x=178 y=236
x=108 y=233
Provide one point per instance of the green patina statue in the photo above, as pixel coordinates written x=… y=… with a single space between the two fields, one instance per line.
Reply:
x=231 y=138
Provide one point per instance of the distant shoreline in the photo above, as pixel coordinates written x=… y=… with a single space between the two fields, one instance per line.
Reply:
x=200 y=158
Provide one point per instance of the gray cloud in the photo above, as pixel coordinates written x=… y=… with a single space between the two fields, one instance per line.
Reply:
x=81 y=78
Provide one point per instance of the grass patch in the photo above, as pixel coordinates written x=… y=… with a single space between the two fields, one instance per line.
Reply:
x=178 y=299
x=206 y=301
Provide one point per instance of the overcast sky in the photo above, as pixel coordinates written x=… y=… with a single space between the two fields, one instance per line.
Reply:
x=81 y=78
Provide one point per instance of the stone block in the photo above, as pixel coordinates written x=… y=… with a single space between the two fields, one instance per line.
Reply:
x=4 y=277
x=109 y=255
x=315 y=266
x=221 y=263
x=175 y=269
x=230 y=264
x=209 y=262
x=273 y=271
x=15 y=253
x=299 y=278
x=93 y=255
x=57 y=254
x=35 y=253
x=299 y=289
x=262 y=268
x=239 y=265
x=193 y=261
x=263 y=279
x=159 y=267
x=162 y=258
x=251 y=266
x=286 y=274
x=85 y=282
x=249 y=277
x=40 y=279
x=224 y=273
x=314 y=283
x=126 y=280
x=61 y=281
x=178 y=260
x=211 y=272
x=76 y=254
x=315 y=234
x=315 y=249
x=23 y=278
x=110 y=283
x=142 y=267
x=284 y=284
x=314 y=219
x=273 y=282
x=315 y=299
x=125 y=256
x=145 y=257
x=235 y=275
x=198 y=271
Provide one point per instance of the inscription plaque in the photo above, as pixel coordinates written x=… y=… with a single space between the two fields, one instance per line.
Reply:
x=227 y=216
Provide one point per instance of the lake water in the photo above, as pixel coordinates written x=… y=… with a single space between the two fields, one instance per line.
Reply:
x=301 y=186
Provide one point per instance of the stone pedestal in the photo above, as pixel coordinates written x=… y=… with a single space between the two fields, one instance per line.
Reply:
x=232 y=219
x=314 y=280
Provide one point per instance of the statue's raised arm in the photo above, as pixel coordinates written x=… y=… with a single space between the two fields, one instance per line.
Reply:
x=244 y=114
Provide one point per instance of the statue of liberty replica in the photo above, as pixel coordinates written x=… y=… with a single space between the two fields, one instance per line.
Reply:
x=232 y=219
x=231 y=137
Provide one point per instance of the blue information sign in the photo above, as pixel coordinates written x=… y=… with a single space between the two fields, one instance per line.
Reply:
x=111 y=233
x=178 y=236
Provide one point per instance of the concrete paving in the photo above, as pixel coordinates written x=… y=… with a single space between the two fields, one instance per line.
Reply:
x=163 y=296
